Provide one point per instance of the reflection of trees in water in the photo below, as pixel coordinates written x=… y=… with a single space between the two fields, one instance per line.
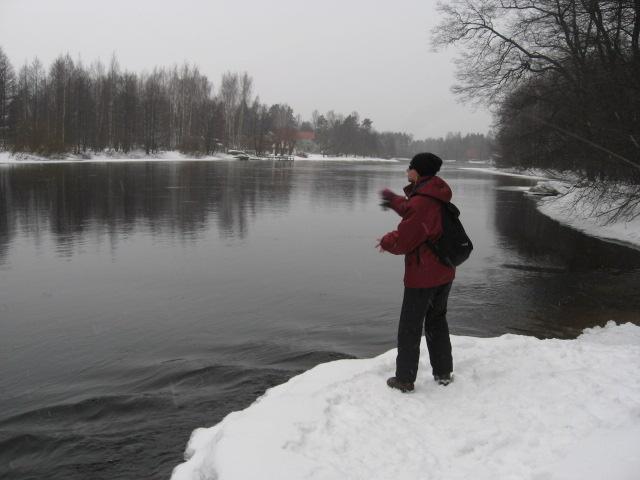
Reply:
x=572 y=281
x=179 y=199
x=175 y=199
x=245 y=188
x=340 y=185
x=542 y=239
x=7 y=222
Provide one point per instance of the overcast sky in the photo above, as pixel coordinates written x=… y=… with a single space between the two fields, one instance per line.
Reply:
x=341 y=55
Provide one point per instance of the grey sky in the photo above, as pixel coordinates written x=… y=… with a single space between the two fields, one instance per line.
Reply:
x=372 y=57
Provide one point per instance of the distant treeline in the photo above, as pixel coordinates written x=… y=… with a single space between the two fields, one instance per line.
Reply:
x=339 y=135
x=72 y=108
x=562 y=75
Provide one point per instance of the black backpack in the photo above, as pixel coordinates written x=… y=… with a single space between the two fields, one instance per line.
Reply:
x=454 y=245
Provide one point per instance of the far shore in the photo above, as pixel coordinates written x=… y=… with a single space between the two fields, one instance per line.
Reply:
x=168 y=156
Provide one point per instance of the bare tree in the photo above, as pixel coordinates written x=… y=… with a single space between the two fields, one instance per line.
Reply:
x=246 y=86
x=38 y=107
x=229 y=95
x=154 y=104
x=283 y=129
x=564 y=74
x=7 y=87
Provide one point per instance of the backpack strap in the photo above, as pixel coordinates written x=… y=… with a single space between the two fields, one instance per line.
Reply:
x=430 y=244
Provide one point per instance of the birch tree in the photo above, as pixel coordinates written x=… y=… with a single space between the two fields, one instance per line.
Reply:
x=7 y=89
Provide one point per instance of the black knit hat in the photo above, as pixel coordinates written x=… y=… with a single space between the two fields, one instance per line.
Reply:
x=426 y=164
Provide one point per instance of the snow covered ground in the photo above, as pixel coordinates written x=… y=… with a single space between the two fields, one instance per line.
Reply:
x=519 y=408
x=173 y=156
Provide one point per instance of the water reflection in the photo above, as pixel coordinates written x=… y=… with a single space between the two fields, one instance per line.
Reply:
x=569 y=281
x=179 y=200
x=344 y=187
x=112 y=200
x=546 y=241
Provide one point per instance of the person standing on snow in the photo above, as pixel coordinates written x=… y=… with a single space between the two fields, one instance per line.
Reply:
x=427 y=281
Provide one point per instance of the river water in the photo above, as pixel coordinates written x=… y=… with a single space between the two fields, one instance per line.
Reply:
x=139 y=301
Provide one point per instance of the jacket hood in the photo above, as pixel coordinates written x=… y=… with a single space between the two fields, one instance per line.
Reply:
x=434 y=187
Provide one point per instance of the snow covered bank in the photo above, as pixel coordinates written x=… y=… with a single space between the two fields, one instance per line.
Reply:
x=591 y=215
x=534 y=175
x=551 y=187
x=173 y=156
x=107 y=157
x=571 y=205
x=328 y=158
x=520 y=408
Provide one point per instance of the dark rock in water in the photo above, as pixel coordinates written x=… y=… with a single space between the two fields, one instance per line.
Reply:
x=549 y=188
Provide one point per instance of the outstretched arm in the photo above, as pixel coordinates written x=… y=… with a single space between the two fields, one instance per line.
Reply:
x=398 y=203
x=409 y=235
x=418 y=224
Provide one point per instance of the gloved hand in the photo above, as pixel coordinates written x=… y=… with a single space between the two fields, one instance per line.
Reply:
x=387 y=195
x=387 y=242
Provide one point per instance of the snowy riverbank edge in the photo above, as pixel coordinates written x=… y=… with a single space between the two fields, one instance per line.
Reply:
x=519 y=407
x=577 y=210
x=7 y=158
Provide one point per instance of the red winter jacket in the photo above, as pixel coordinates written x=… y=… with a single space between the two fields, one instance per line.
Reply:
x=421 y=220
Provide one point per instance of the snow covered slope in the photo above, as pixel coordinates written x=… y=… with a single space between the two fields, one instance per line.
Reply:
x=573 y=206
x=520 y=408
x=591 y=216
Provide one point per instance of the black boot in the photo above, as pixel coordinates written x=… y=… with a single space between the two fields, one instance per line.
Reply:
x=444 y=380
x=404 y=387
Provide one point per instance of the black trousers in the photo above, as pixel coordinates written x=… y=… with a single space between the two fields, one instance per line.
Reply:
x=428 y=307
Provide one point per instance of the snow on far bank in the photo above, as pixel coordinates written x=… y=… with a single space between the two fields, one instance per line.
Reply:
x=171 y=156
x=317 y=156
x=534 y=175
x=107 y=157
x=590 y=215
x=519 y=408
